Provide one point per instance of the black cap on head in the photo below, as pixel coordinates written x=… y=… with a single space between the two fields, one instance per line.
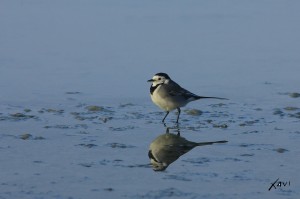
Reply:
x=163 y=75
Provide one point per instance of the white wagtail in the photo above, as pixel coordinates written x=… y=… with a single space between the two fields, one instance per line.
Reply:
x=168 y=95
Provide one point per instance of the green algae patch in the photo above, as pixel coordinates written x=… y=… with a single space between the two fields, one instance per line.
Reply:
x=95 y=108
x=193 y=112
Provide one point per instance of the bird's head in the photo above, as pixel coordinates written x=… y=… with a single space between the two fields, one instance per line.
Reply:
x=159 y=78
x=156 y=165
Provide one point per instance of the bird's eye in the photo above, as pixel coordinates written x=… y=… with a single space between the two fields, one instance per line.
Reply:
x=159 y=78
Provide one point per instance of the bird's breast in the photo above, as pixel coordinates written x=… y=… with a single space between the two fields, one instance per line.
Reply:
x=163 y=100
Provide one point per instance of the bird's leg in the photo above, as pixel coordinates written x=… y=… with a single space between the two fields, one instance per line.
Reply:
x=163 y=121
x=165 y=125
x=167 y=130
x=177 y=129
x=178 y=132
x=178 y=114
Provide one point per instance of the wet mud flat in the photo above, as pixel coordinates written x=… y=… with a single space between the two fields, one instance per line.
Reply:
x=90 y=150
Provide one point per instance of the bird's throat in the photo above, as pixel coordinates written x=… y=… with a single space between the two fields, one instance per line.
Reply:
x=153 y=88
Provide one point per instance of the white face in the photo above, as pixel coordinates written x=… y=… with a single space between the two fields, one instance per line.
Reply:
x=156 y=79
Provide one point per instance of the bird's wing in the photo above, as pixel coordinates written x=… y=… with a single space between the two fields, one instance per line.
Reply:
x=175 y=90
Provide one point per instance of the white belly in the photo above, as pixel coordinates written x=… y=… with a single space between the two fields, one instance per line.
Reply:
x=165 y=102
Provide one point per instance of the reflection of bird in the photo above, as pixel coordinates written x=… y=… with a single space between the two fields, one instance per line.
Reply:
x=168 y=147
x=168 y=95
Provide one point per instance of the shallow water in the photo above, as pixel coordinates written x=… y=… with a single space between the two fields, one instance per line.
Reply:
x=78 y=150
x=76 y=120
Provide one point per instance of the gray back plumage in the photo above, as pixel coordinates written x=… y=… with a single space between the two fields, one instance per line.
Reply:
x=174 y=90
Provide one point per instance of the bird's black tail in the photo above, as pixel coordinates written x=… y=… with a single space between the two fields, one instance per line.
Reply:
x=210 y=143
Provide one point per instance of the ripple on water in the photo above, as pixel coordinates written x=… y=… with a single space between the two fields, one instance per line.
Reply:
x=166 y=193
x=17 y=117
x=27 y=136
x=280 y=150
x=119 y=145
x=176 y=177
x=87 y=145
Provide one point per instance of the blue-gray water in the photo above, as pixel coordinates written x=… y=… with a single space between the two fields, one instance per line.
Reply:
x=76 y=117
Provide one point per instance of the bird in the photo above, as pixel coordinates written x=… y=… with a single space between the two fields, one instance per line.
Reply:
x=168 y=95
x=168 y=147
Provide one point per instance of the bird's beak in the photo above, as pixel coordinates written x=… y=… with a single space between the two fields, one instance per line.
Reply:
x=150 y=80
